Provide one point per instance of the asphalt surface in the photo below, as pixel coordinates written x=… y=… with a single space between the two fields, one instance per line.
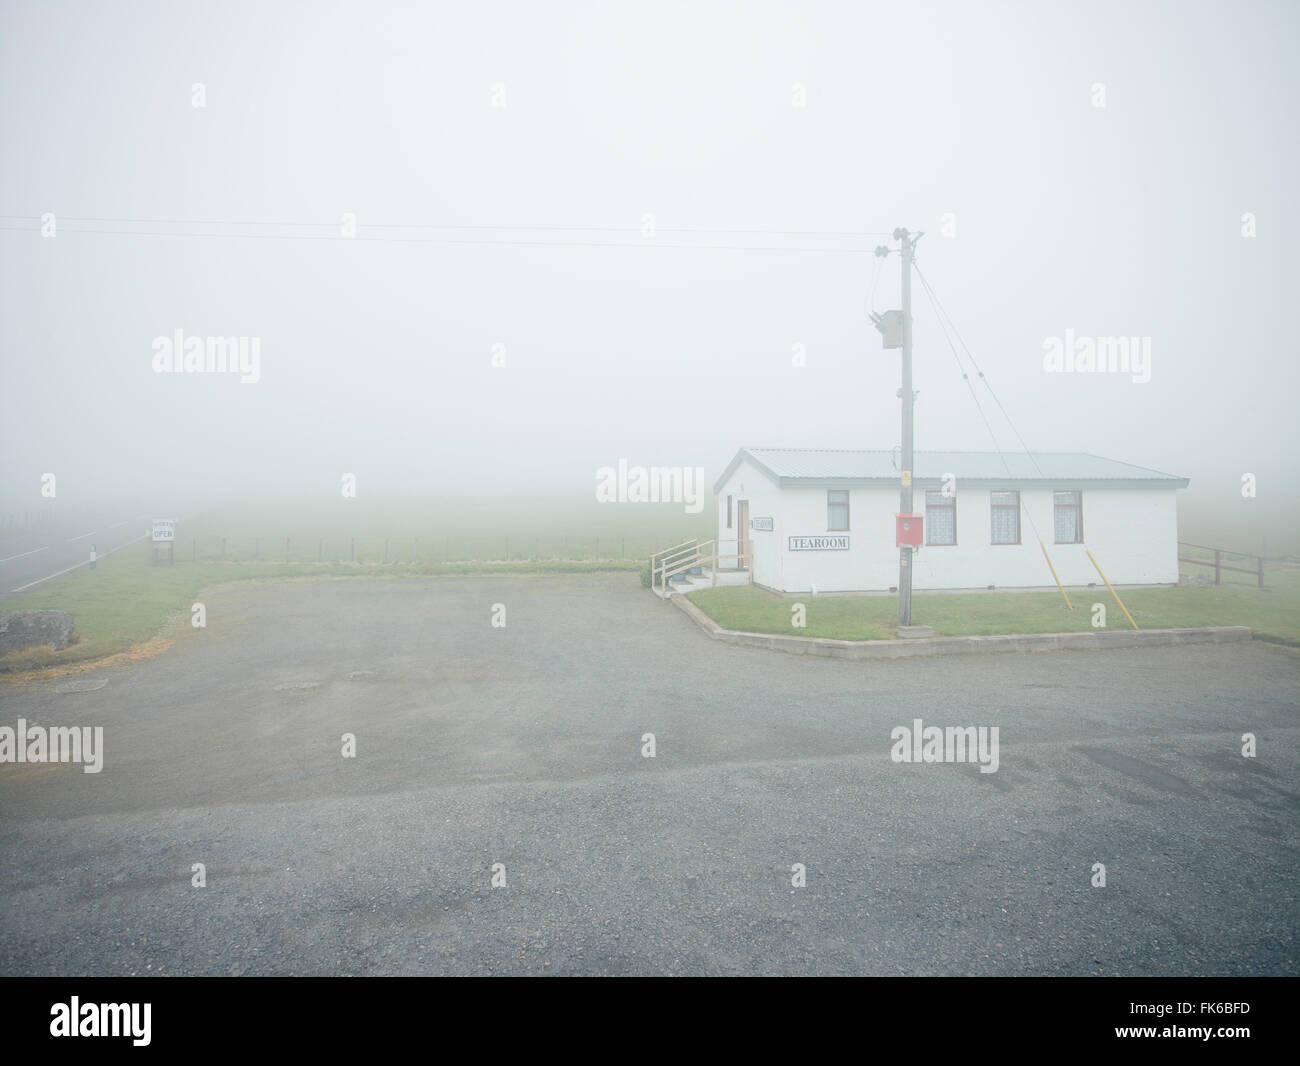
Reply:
x=522 y=746
x=35 y=552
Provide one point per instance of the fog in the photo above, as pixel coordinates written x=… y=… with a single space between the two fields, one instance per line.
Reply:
x=502 y=323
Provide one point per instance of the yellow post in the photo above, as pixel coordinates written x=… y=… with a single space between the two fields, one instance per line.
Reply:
x=1053 y=570
x=1113 y=592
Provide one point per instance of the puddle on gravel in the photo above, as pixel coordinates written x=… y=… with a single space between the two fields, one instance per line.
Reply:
x=86 y=684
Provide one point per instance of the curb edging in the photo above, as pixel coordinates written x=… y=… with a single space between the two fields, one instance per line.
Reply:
x=977 y=645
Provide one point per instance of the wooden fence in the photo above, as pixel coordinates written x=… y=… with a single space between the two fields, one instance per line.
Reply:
x=1218 y=564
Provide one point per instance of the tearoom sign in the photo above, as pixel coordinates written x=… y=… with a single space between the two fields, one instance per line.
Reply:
x=819 y=544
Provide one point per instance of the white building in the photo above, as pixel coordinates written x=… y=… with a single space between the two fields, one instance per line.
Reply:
x=826 y=519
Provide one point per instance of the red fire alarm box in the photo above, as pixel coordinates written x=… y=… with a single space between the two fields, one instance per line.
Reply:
x=910 y=530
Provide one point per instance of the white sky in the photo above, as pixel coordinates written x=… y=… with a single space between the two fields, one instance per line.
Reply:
x=375 y=355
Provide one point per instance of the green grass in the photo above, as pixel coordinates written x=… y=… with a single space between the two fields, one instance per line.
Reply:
x=1272 y=612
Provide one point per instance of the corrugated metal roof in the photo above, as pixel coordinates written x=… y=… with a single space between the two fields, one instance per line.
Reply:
x=854 y=465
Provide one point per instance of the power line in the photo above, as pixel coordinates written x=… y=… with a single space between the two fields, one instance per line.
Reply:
x=940 y=316
x=647 y=243
x=962 y=370
x=939 y=308
x=843 y=234
x=875 y=277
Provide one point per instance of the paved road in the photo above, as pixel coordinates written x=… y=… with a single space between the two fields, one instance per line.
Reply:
x=32 y=554
x=521 y=746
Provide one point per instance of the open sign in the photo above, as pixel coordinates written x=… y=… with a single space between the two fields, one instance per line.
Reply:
x=164 y=529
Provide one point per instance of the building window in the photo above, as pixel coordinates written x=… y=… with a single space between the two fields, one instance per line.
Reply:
x=837 y=511
x=1067 y=517
x=1005 y=522
x=940 y=518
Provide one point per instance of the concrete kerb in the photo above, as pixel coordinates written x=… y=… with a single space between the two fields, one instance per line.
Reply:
x=981 y=645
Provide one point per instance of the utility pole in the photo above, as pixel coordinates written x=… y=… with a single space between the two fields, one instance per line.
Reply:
x=896 y=329
x=905 y=488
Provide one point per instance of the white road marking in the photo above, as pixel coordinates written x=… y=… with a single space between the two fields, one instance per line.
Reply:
x=25 y=554
x=73 y=540
x=47 y=577
x=118 y=525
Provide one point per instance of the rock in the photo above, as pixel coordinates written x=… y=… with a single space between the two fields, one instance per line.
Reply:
x=20 y=630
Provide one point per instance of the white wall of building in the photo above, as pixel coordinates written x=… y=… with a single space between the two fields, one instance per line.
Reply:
x=1132 y=532
x=750 y=483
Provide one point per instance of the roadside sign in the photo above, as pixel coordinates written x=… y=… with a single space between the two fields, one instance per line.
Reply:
x=164 y=530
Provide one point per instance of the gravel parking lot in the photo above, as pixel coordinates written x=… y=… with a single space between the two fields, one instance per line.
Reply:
x=522 y=746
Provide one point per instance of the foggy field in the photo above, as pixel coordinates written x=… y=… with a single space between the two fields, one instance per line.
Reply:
x=512 y=528
x=1272 y=612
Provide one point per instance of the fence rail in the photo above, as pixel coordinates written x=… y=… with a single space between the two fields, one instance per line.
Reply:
x=304 y=547
x=1218 y=565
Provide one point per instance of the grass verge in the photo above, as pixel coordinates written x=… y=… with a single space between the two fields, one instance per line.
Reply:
x=1273 y=613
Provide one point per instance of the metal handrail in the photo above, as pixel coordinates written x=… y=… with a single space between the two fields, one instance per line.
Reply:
x=697 y=552
x=671 y=570
x=683 y=544
x=668 y=568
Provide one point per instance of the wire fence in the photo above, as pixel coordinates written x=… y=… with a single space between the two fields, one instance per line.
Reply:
x=422 y=550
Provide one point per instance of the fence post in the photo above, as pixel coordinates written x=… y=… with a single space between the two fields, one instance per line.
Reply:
x=507 y=549
x=257 y=547
x=1217 y=553
x=286 y=549
x=385 y=549
x=598 y=549
x=353 y=557
x=195 y=555
x=1260 y=560
x=223 y=549
x=320 y=549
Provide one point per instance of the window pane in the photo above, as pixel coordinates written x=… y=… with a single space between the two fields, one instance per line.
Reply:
x=940 y=518
x=837 y=509
x=1067 y=517
x=1005 y=518
x=1067 y=525
x=940 y=525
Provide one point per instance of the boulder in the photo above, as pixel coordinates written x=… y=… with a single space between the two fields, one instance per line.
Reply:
x=20 y=630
